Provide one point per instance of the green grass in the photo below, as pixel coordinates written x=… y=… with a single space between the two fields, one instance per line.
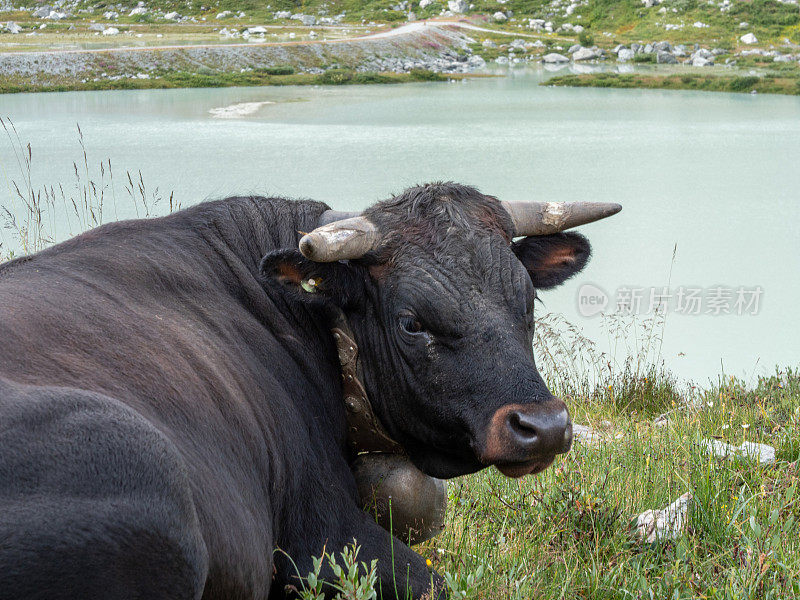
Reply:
x=788 y=83
x=566 y=533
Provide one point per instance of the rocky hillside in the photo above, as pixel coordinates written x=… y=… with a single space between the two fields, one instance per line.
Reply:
x=678 y=21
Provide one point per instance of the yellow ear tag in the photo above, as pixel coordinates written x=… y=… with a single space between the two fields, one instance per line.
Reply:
x=310 y=285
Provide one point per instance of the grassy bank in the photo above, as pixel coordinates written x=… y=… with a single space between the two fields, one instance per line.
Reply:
x=767 y=84
x=568 y=533
x=256 y=77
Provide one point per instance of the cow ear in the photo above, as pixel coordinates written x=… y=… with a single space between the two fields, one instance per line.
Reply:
x=310 y=281
x=552 y=259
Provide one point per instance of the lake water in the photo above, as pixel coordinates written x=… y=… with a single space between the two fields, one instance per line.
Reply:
x=716 y=176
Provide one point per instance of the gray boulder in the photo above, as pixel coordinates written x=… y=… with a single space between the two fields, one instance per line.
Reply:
x=648 y=49
x=665 y=58
x=554 y=57
x=586 y=54
x=476 y=62
x=574 y=48
x=13 y=28
x=662 y=47
x=499 y=17
x=636 y=48
x=43 y=12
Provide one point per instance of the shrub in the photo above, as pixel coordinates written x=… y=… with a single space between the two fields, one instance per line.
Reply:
x=743 y=84
x=425 y=75
x=336 y=76
x=586 y=39
x=371 y=77
x=279 y=70
x=641 y=57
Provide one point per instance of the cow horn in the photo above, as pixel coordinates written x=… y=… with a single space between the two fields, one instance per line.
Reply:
x=339 y=238
x=545 y=218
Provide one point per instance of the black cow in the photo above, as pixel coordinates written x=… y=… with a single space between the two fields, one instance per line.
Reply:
x=171 y=408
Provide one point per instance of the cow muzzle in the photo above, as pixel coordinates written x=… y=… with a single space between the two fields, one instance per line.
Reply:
x=525 y=438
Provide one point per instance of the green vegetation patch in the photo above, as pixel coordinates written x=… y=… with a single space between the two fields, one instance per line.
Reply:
x=208 y=78
x=770 y=84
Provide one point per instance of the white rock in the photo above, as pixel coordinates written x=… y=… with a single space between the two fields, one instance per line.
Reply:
x=173 y=16
x=110 y=15
x=699 y=61
x=744 y=25
x=224 y=14
x=749 y=38
x=42 y=13
x=458 y=6
x=257 y=30
x=499 y=17
x=488 y=44
x=97 y=27
x=56 y=15
x=111 y=31
x=551 y=58
x=762 y=453
x=308 y=20
x=139 y=10
x=13 y=28
x=625 y=54
x=283 y=14
x=582 y=433
x=424 y=3
x=664 y=524
x=699 y=24
x=578 y=29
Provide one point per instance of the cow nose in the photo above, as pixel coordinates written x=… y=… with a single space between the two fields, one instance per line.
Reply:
x=540 y=430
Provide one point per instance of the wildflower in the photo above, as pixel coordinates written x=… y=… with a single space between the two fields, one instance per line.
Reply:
x=429 y=563
x=710 y=404
x=745 y=425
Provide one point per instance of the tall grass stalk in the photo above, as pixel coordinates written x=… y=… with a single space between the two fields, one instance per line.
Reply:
x=35 y=216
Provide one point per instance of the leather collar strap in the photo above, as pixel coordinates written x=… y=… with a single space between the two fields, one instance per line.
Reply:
x=364 y=431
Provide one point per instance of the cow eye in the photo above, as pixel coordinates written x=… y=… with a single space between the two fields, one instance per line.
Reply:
x=410 y=325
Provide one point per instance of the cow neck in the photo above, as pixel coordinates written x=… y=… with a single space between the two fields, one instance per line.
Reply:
x=365 y=433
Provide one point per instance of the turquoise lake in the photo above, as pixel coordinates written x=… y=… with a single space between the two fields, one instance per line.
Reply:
x=713 y=178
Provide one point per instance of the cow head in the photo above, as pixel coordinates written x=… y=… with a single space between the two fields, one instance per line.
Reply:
x=440 y=298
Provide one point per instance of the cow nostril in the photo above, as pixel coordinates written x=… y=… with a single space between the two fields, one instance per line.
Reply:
x=522 y=427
